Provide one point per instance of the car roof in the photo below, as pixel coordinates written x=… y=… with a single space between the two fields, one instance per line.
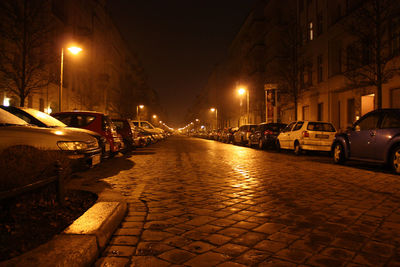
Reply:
x=79 y=112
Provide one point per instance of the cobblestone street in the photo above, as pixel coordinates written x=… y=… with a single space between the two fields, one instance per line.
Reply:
x=195 y=202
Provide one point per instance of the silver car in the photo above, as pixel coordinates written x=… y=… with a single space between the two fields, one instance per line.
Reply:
x=78 y=146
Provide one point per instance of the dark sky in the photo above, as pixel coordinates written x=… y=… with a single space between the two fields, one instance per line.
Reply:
x=179 y=42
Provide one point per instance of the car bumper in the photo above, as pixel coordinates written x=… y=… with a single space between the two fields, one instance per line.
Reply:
x=88 y=158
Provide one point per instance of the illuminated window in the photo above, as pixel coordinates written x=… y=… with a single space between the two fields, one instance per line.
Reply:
x=310 y=31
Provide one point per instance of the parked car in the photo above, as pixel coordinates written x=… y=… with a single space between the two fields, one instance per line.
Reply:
x=80 y=147
x=307 y=135
x=41 y=119
x=94 y=121
x=375 y=137
x=147 y=126
x=265 y=135
x=145 y=137
x=241 y=136
x=227 y=135
x=128 y=132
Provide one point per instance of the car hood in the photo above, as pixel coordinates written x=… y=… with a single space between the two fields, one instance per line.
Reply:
x=44 y=138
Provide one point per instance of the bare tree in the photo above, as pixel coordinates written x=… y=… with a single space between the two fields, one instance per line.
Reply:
x=371 y=56
x=25 y=26
x=288 y=70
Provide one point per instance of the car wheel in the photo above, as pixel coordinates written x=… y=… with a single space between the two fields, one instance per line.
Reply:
x=395 y=160
x=278 y=146
x=260 y=144
x=338 y=154
x=297 y=148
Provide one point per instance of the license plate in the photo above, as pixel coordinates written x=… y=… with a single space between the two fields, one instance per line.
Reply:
x=95 y=160
x=322 y=136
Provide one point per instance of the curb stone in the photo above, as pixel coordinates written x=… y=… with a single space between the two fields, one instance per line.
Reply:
x=81 y=243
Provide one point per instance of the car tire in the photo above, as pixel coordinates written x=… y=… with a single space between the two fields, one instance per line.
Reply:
x=395 y=160
x=260 y=144
x=278 y=146
x=338 y=153
x=297 y=148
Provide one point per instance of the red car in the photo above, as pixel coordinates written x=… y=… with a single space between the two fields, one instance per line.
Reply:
x=127 y=130
x=94 y=121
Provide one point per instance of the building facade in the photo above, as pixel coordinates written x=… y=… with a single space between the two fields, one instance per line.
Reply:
x=310 y=60
x=106 y=76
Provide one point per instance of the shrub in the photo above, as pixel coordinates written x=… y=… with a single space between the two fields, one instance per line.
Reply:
x=23 y=165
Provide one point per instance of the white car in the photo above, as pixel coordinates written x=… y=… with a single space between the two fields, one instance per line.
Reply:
x=78 y=146
x=307 y=135
x=147 y=126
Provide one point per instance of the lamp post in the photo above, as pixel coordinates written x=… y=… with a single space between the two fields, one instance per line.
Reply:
x=137 y=112
x=74 y=50
x=216 y=116
x=242 y=91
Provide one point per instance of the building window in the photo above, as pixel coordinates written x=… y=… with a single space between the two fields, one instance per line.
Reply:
x=351 y=113
x=320 y=111
x=320 y=68
x=310 y=31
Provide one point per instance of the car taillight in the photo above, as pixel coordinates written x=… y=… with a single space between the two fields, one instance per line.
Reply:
x=267 y=132
x=306 y=134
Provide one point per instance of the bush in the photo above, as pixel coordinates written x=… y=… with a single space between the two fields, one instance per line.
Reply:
x=23 y=165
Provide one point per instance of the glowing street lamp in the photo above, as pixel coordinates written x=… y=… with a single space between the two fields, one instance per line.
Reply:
x=74 y=50
x=216 y=116
x=242 y=91
x=137 y=113
x=154 y=116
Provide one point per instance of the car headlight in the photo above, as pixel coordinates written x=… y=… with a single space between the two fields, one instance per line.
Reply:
x=72 y=145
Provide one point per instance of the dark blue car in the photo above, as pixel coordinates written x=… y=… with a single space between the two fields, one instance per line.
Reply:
x=375 y=137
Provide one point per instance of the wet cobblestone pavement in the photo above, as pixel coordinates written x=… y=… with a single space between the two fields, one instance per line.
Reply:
x=195 y=202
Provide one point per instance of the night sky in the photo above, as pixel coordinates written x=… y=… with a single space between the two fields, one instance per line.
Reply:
x=179 y=42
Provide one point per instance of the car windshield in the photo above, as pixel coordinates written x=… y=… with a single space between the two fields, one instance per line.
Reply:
x=6 y=118
x=45 y=118
x=320 y=126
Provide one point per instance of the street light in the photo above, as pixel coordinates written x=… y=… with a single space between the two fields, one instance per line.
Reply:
x=216 y=116
x=74 y=50
x=137 y=113
x=242 y=91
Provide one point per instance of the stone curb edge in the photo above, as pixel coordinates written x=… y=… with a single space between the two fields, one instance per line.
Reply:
x=81 y=243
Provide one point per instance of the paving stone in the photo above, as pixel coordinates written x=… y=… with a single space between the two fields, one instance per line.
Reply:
x=128 y=231
x=124 y=240
x=177 y=256
x=218 y=239
x=151 y=248
x=321 y=260
x=271 y=246
x=148 y=261
x=149 y=235
x=249 y=239
x=293 y=255
x=269 y=228
x=198 y=247
x=272 y=262
x=338 y=253
x=207 y=259
x=111 y=262
x=232 y=232
x=230 y=264
x=118 y=251
x=252 y=257
x=232 y=250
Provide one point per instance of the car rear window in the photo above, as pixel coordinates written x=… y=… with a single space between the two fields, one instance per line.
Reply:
x=320 y=126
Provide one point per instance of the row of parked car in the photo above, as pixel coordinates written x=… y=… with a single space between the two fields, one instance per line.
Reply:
x=86 y=137
x=375 y=137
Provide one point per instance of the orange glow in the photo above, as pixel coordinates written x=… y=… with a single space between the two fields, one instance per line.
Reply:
x=74 y=50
